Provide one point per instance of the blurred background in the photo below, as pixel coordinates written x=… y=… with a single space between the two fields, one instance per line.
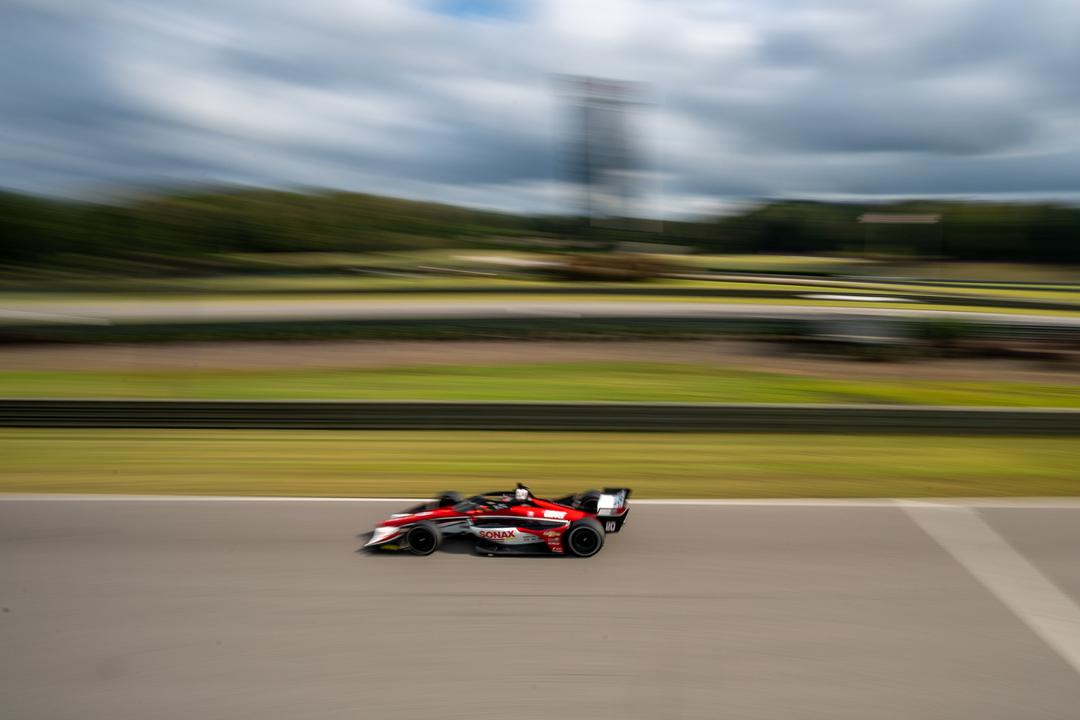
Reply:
x=513 y=201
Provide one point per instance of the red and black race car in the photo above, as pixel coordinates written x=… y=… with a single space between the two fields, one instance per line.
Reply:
x=508 y=522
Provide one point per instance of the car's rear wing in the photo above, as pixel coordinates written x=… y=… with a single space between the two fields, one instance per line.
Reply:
x=612 y=508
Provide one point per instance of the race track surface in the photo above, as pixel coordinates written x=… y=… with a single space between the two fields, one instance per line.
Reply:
x=263 y=609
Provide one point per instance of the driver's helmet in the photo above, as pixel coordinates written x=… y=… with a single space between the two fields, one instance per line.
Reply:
x=521 y=494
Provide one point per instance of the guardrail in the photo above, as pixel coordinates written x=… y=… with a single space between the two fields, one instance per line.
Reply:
x=585 y=416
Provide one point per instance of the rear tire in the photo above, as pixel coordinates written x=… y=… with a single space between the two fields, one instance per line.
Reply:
x=584 y=538
x=424 y=538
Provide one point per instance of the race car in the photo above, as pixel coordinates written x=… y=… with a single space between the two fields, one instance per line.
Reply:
x=508 y=522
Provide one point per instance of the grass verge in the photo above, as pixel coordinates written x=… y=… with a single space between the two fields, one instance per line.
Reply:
x=923 y=297
x=339 y=463
x=611 y=381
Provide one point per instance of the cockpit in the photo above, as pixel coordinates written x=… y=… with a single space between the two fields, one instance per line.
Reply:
x=487 y=501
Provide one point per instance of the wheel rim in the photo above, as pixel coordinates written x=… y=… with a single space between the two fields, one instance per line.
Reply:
x=422 y=540
x=584 y=541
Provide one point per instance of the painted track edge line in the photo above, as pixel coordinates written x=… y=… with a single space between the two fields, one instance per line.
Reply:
x=976 y=502
x=1032 y=596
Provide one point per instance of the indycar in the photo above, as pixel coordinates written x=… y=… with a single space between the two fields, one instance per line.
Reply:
x=508 y=522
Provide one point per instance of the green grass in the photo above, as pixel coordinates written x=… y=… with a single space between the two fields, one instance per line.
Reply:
x=751 y=262
x=945 y=270
x=456 y=258
x=68 y=304
x=618 y=381
x=1004 y=271
x=959 y=293
x=341 y=463
x=320 y=289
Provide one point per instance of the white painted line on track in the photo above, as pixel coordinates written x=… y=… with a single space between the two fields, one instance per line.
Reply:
x=793 y=502
x=1008 y=575
x=1003 y=503
x=88 y=497
x=771 y=502
x=1017 y=502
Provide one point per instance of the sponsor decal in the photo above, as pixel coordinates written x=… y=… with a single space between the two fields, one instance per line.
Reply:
x=555 y=514
x=496 y=534
x=551 y=533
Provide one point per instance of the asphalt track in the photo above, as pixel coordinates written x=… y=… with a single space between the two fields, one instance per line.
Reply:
x=124 y=608
x=219 y=310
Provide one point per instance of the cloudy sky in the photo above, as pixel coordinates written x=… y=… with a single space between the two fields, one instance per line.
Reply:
x=456 y=100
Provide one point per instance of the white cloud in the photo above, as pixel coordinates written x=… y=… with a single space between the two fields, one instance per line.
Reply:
x=901 y=97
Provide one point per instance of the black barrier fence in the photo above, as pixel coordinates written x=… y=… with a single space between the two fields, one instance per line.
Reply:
x=590 y=416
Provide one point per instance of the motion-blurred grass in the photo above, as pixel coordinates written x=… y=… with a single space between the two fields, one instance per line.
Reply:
x=612 y=381
x=342 y=463
x=897 y=267
x=764 y=262
x=323 y=287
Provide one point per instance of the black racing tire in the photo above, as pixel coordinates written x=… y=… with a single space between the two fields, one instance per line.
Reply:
x=424 y=538
x=584 y=538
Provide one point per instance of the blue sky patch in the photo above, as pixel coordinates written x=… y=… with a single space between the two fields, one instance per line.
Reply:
x=478 y=8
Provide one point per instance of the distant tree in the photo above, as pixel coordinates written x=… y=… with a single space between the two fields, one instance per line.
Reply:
x=189 y=229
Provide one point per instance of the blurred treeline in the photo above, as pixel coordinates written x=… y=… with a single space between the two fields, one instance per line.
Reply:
x=198 y=230
x=1020 y=232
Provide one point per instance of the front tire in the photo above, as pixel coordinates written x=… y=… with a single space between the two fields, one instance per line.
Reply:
x=584 y=538
x=423 y=538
